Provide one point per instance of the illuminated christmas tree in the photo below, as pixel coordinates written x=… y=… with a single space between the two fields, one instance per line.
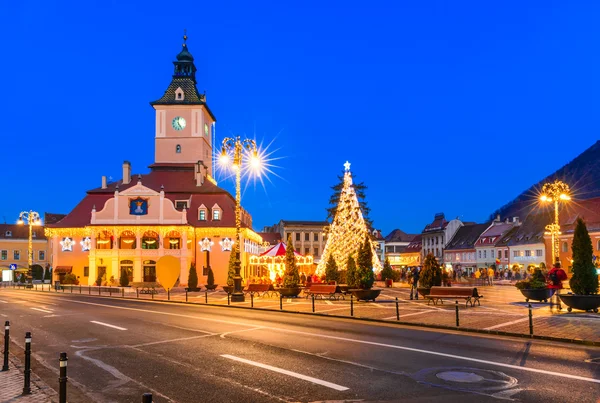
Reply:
x=347 y=231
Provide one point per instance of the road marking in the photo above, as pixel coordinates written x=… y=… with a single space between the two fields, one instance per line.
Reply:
x=289 y=373
x=50 y=316
x=4 y=302
x=170 y=340
x=328 y=302
x=409 y=314
x=238 y=331
x=506 y=323
x=3 y=315
x=371 y=343
x=107 y=325
x=42 y=310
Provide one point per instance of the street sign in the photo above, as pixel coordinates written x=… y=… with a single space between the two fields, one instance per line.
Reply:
x=13 y=266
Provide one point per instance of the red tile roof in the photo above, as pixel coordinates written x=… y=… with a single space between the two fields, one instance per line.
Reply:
x=17 y=231
x=272 y=238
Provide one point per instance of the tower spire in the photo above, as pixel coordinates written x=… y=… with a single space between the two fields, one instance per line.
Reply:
x=184 y=38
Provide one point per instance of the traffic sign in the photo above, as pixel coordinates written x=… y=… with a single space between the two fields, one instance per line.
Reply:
x=13 y=266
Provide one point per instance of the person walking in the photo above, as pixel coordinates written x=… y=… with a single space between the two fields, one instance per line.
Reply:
x=415 y=283
x=491 y=276
x=556 y=276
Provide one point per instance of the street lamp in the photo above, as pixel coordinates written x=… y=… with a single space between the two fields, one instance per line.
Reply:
x=236 y=152
x=556 y=192
x=33 y=219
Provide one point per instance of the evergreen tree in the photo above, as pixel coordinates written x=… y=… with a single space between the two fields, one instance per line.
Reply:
x=22 y=278
x=231 y=266
x=347 y=231
x=351 y=273
x=387 y=272
x=193 y=277
x=364 y=273
x=48 y=274
x=210 y=281
x=359 y=190
x=331 y=271
x=585 y=278
x=431 y=274
x=291 y=277
x=124 y=279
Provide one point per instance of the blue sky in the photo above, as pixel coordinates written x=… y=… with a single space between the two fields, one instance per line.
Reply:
x=439 y=105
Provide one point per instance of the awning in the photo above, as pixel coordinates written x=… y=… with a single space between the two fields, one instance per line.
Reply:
x=63 y=269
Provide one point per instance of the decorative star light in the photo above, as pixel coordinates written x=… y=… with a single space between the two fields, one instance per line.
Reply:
x=86 y=244
x=347 y=166
x=226 y=244
x=67 y=244
x=206 y=244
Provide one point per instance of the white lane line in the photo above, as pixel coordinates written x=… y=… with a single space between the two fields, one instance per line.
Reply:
x=370 y=343
x=152 y=343
x=408 y=314
x=328 y=302
x=4 y=302
x=3 y=315
x=507 y=323
x=238 y=331
x=42 y=310
x=286 y=372
x=107 y=325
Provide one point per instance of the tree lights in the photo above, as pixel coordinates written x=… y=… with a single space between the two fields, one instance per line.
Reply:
x=32 y=218
x=555 y=192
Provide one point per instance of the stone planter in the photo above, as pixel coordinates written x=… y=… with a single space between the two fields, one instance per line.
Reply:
x=228 y=289
x=423 y=291
x=365 y=295
x=538 y=294
x=211 y=287
x=581 y=302
x=291 y=292
x=344 y=288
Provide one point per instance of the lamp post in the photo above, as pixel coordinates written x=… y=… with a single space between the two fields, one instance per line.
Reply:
x=238 y=152
x=555 y=192
x=33 y=218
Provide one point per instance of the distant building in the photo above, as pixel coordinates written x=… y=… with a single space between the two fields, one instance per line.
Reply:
x=524 y=244
x=437 y=234
x=409 y=255
x=14 y=247
x=308 y=237
x=380 y=249
x=460 y=253
x=485 y=246
x=395 y=244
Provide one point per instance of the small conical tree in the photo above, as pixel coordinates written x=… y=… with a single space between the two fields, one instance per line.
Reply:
x=124 y=279
x=210 y=280
x=48 y=273
x=387 y=272
x=364 y=272
x=431 y=275
x=231 y=267
x=291 y=277
x=351 y=273
x=22 y=278
x=193 y=277
x=585 y=278
x=331 y=270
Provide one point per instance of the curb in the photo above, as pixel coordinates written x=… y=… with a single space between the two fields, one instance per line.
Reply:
x=373 y=320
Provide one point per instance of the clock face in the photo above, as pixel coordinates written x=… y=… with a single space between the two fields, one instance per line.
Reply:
x=178 y=123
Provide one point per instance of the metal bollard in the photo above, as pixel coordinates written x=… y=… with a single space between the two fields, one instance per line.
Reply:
x=280 y=302
x=351 y=304
x=62 y=378
x=99 y=289
x=71 y=289
x=251 y=300
x=80 y=288
x=152 y=293
x=206 y=296
x=530 y=321
x=186 y=297
x=89 y=290
x=137 y=293
x=313 y=302
x=456 y=307
x=63 y=288
x=123 y=292
x=168 y=294
x=147 y=398
x=397 y=310
x=6 y=345
x=228 y=299
x=27 y=372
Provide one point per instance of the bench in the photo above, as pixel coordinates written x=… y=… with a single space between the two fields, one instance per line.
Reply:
x=469 y=294
x=317 y=290
x=259 y=289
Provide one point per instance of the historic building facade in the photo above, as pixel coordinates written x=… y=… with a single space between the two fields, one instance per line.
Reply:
x=460 y=252
x=308 y=237
x=176 y=209
x=14 y=247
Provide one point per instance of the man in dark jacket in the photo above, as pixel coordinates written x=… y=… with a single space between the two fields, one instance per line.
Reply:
x=415 y=282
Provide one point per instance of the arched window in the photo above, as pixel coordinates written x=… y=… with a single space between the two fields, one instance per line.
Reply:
x=565 y=247
x=149 y=271
x=178 y=149
x=104 y=240
x=150 y=240
x=127 y=240
x=127 y=267
x=172 y=240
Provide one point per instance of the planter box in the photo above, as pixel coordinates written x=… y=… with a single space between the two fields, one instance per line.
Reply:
x=228 y=289
x=538 y=294
x=365 y=295
x=211 y=287
x=581 y=302
x=289 y=292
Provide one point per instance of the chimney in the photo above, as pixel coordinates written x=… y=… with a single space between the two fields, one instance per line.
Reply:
x=516 y=220
x=126 y=172
x=497 y=218
x=200 y=173
x=104 y=182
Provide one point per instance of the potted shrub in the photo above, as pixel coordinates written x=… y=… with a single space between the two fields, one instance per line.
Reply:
x=210 y=281
x=291 y=277
x=364 y=276
x=535 y=288
x=124 y=279
x=230 y=271
x=192 y=279
x=430 y=275
x=387 y=273
x=584 y=282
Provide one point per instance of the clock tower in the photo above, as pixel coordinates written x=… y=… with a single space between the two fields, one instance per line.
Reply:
x=185 y=125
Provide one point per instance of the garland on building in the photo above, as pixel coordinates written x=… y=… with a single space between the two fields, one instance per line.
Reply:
x=348 y=230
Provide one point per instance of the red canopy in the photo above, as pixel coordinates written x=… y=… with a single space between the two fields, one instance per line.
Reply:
x=278 y=250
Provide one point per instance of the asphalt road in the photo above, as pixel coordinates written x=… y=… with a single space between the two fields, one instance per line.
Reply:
x=119 y=349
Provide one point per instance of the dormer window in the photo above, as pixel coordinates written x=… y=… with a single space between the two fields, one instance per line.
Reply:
x=202 y=213
x=8 y=234
x=216 y=212
x=179 y=95
x=181 y=204
x=178 y=149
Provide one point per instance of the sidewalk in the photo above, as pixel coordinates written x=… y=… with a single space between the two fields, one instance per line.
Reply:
x=11 y=389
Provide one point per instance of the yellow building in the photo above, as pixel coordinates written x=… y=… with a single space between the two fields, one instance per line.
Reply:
x=14 y=247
